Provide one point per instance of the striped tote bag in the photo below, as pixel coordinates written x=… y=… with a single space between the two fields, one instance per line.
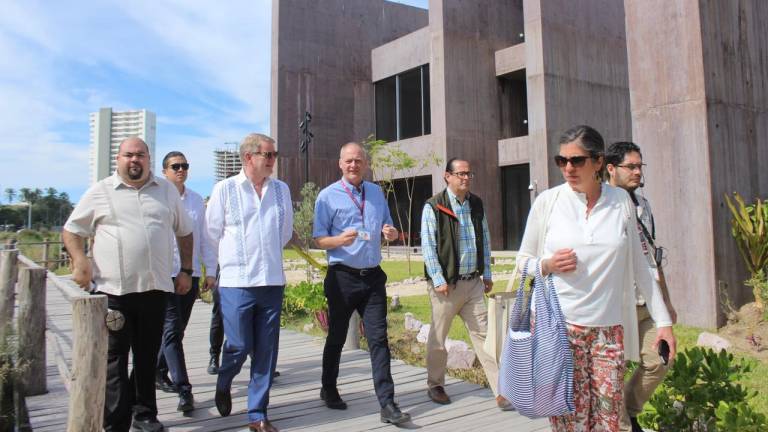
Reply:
x=536 y=365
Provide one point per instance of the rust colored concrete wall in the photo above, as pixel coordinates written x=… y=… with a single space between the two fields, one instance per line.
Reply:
x=321 y=62
x=699 y=113
x=580 y=77
x=465 y=107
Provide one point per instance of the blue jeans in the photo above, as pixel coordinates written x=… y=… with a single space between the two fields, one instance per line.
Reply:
x=178 y=309
x=251 y=326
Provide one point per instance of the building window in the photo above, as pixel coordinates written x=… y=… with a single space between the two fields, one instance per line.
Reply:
x=402 y=105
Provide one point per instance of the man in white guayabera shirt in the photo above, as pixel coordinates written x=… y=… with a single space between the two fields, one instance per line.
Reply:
x=178 y=307
x=249 y=220
x=133 y=217
x=624 y=163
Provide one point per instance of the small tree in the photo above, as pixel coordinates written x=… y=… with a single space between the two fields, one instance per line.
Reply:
x=749 y=227
x=389 y=162
x=303 y=218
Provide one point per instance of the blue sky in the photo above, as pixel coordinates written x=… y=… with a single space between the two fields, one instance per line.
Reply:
x=202 y=66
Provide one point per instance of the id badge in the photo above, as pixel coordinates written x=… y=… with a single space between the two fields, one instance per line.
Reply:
x=363 y=235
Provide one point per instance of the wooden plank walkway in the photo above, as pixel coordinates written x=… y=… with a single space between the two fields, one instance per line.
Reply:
x=294 y=400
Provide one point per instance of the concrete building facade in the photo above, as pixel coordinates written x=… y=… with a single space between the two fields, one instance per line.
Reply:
x=226 y=161
x=496 y=82
x=699 y=100
x=491 y=81
x=108 y=128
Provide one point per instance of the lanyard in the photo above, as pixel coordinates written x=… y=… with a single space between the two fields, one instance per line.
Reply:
x=360 y=207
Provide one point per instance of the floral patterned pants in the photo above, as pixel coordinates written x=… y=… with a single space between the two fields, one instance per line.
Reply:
x=598 y=380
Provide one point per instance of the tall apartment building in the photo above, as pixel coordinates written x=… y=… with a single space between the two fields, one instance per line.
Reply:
x=109 y=128
x=226 y=160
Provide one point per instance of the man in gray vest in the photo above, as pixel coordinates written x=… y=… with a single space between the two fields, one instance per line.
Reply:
x=457 y=263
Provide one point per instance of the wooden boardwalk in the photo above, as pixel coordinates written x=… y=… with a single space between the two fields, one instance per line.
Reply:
x=294 y=400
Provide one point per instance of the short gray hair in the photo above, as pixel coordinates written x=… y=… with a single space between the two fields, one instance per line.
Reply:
x=350 y=144
x=252 y=143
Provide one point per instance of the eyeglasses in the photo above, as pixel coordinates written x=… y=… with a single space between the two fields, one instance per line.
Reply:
x=576 y=161
x=266 y=155
x=179 y=166
x=632 y=167
x=463 y=174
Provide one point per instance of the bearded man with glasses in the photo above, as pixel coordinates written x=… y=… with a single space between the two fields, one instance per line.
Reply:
x=624 y=163
x=457 y=251
x=178 y=307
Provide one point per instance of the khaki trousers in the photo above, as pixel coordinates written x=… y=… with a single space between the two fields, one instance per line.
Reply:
x=649 y=373
x=467 y=300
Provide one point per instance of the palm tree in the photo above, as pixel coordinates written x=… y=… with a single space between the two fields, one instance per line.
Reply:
x=10 y=193
x=25 y=194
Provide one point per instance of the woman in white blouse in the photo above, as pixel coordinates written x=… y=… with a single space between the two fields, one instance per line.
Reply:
x=585 y=233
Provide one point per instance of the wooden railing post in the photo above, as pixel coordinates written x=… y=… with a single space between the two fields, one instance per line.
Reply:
x=8 y=273
x=353 y=333
x=46 y=252
x=31 y=329
x=89 y=364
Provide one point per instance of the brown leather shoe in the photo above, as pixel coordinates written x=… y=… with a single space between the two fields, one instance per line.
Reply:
x=262 y=426
x=438 y=395
x=504 y=404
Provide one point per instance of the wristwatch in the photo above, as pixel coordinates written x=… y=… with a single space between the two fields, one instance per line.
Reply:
x=187 y=271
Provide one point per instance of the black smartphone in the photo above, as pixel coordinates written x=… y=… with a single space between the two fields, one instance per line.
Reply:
x=664 y=351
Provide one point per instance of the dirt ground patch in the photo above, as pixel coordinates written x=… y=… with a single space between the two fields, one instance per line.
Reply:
x=748 y=332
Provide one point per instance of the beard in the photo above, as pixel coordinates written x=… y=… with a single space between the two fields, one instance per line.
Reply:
x=135 y=172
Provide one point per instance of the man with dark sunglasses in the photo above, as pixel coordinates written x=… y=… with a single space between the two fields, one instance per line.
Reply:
x=457 y=263
x=249 y=221
x=624 y=163
x=178 y=307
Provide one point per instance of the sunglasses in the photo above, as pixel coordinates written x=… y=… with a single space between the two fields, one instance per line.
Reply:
x=179 y=166
x=576 y=161
x=266 y=155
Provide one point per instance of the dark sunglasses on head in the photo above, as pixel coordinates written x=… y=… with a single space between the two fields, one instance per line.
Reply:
x=576 y=161
x=179 y=166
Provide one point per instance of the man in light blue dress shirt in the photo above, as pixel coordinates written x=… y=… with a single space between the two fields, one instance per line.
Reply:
x=351 y=217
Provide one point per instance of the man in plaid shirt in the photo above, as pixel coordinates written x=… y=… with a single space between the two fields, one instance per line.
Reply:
x=457 y=260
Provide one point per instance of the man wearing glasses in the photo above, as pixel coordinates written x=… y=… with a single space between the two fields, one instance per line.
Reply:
x=133 y=217
x=457 y=262
x=624 y=163
x=178 y=307
x=249 y=220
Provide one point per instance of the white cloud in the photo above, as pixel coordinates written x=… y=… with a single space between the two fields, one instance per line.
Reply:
x=63 y=60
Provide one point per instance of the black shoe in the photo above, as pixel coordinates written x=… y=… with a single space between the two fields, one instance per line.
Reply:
x=186 y=401
x=223 y=402
x=162 y=382
x=147 y=425
x=213 y=365
x=635 y=425
x=332 y=399
x=391 y=414
x=275 y=374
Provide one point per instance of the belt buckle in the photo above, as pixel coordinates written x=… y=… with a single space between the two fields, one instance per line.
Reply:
x=364 y=272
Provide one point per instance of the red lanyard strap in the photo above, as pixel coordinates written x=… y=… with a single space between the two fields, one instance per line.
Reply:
x=360 y=207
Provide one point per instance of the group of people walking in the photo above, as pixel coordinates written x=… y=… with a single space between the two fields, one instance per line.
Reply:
x=156 y=245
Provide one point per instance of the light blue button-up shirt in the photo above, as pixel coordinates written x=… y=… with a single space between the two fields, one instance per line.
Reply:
x=335 y=212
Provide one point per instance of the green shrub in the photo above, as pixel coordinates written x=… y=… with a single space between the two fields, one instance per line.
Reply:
x=739 y=417
x=695 y=388
x=303 y=299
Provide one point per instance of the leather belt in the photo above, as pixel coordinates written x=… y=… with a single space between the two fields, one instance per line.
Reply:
x=469 y=276
x=356 y=271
